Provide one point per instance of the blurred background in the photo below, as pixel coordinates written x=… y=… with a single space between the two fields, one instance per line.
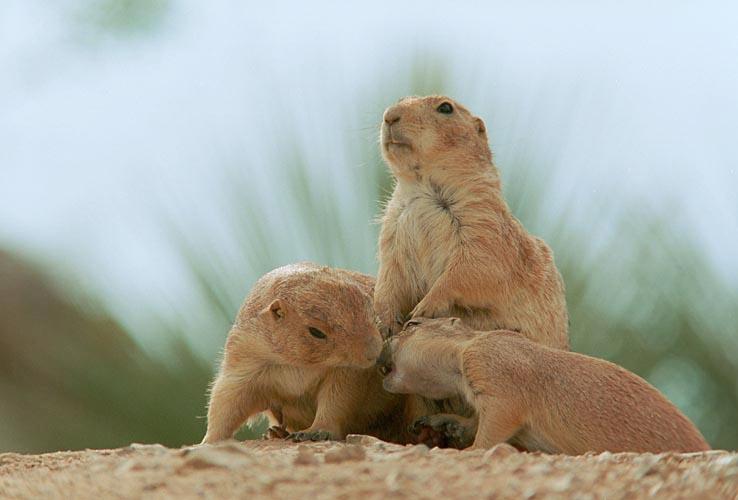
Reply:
x=157 y=156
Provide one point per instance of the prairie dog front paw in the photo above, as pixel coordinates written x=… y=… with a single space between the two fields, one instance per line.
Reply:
x=310 y=435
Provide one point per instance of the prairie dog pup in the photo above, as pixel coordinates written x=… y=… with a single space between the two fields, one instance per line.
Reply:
x=449 y=245
x=546 y=399
x=303 y=348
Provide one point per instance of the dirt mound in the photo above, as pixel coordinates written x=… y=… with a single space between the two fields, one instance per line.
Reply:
x=363 y=467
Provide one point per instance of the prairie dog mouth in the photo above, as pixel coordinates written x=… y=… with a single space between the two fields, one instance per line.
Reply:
x=395 y=141
x=392 y=137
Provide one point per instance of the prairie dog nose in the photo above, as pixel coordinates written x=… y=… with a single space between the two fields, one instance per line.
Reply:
x=384 y=361
x=392 y=115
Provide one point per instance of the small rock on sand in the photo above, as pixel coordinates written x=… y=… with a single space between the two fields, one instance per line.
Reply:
x=305 y=456
x=499 y=451
x=349 y=452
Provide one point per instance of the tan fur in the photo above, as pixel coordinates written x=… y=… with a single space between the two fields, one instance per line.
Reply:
x=323 y=387
x=449 y=245
x=541 y=398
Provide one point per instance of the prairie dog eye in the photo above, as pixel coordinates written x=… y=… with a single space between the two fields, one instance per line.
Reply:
x=445 y=108
x=316 y=333
x=412 y=322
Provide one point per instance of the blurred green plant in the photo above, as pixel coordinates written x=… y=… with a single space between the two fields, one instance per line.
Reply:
x=70 y=377
x=119 y=18
x=640 y=290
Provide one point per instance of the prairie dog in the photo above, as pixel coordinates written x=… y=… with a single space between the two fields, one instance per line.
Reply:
x=544 y=399
x=449 y=245
x=303 y=348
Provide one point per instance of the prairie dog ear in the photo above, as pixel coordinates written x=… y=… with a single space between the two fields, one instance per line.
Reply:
x=277 y=309
x=481 y=127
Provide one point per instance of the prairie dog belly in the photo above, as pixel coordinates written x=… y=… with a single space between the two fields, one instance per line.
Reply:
x=286 y=382
x=425 y=238
x=289 y=393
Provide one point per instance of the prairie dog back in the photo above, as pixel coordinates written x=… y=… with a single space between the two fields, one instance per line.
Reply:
x=542 y=398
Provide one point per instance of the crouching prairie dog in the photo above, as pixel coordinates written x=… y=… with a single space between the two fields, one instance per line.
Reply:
x=303 y=349
x=449 y=245
x=540 y=398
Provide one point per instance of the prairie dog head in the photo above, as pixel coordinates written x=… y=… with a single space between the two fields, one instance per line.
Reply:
x=422 y=134
x=314 y=317
x=424 y=359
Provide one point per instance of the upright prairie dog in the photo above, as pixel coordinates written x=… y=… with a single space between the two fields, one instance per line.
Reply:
x=449 y=245
x=541 y=398
x=303 y=349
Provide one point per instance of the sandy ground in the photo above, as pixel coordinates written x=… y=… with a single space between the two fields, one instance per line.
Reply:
x=363 y=467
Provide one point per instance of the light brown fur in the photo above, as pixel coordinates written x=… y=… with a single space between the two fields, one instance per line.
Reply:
x=541 y=398
x=449 y=245
x=323 y=388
